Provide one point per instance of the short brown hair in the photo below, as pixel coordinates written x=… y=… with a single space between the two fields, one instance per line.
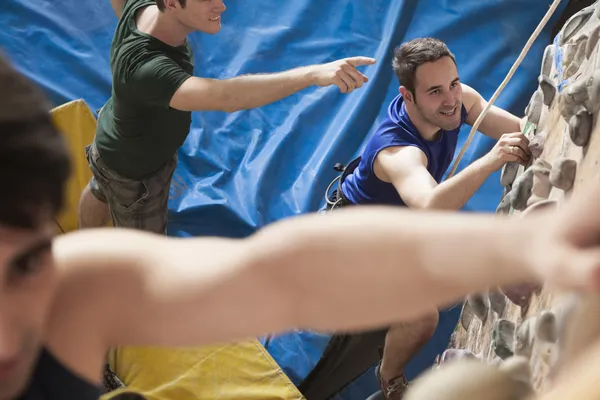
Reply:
x=161 y=4
x=411 y=55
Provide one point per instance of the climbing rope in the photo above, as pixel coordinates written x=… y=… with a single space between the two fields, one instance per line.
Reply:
x=507 y=79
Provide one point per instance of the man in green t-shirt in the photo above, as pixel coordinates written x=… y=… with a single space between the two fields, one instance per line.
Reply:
x=148 y=115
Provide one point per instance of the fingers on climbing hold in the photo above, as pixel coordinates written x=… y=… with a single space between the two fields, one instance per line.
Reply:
x=509 y=173
x=562 y=174
x=521 y=190
x=503 y=335
x=534 y=109
x=479 y=304
x=548 y=89
x=580 y=128
x=537 y=144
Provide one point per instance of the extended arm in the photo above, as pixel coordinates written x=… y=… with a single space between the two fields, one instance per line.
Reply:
x=350 y=270
x=406 y=169
x=496 y=121
x=117 y=6
x=251 y=91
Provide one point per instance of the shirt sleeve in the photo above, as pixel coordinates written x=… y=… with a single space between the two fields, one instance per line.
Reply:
x=156 y=81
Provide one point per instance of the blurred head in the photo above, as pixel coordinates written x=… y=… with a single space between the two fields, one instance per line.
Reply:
x=429 y=81
x=195 y=15
x=34 y=167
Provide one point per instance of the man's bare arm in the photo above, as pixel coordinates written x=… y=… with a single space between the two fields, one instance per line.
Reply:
x=251 y=91
x=496 y=121
x=406 y=169
x=117 y=6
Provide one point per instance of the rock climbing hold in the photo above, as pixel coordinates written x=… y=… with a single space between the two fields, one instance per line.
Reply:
x=573 y=56
x=457 y=354
x=536 y=145
x=548 y=60
x=503 y=336
x=562 y=175
x=574 y=24
x=466 y=316
x=583 y=92
x=479 y=304
x=541 y=183
x=548 y=89
x=509 y=173
x=592 y=41
x=505 y=204
x=524 y=336
x=466 y=380
x=546 y=327
x=497 y=301
x=522 y=190
x=534 y=109
x=580 y=128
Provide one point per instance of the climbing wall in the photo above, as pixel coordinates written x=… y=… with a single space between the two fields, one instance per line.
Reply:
x=520 y=329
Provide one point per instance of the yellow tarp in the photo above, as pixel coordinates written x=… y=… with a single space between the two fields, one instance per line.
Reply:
x=226 y=372
x=77 y=122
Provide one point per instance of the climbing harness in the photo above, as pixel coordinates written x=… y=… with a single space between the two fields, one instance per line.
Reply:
x=336 y=199
x=507 y=79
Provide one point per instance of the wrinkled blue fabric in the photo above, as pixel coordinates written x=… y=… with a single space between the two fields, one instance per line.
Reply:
x=241 y=171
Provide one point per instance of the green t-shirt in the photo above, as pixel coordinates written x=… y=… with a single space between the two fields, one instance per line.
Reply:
x=137 y=130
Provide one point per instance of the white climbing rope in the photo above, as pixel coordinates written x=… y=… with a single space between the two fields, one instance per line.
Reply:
x=507 y=79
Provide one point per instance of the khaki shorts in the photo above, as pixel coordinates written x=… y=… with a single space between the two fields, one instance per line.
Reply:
x=139 y=204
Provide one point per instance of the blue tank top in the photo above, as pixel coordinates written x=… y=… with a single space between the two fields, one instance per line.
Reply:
x=363 y=187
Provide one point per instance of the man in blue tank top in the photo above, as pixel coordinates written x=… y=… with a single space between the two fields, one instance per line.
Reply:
x=64 y=301
x=404 y=161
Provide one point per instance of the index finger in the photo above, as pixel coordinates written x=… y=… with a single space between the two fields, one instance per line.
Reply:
x=357 y=61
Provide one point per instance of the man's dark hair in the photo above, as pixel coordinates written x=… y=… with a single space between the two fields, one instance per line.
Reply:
x=411 y=55
x=34 y=159
x=161 y=4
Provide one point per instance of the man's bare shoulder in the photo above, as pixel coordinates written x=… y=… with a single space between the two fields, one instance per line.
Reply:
x=394 y=160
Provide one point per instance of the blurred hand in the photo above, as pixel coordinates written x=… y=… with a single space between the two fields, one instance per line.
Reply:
x=342 y=73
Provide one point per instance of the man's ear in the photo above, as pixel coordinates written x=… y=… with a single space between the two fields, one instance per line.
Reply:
x=406 y=94
x=171 y=4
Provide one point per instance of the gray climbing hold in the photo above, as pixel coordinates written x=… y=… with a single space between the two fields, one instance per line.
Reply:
x=592 y=41
x=509 y=173
x=537 y=144
x=541 y=183
x=546 y=327
x=466 y=380
x=574 y=56
x=497 y=301
x=548 y=89
x=457 y=354
x=580 y=128
x=524 y=335
x=505 y=204
x=503 y=336
x=562 y=175
x=466 y=316
x=479 y=304
x=548 y=60
x=574 y=24
x=583 y=92
x=534 y=109
x=522 y=190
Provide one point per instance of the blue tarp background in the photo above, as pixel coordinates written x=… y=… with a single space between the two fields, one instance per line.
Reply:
x=241 y=171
